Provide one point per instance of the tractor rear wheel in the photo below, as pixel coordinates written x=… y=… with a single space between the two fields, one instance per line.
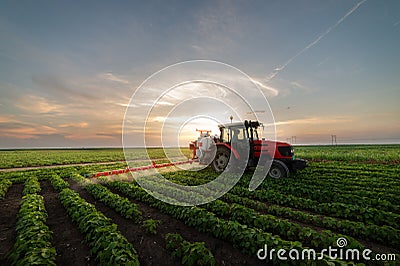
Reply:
x=278 y=170
x=221 y=159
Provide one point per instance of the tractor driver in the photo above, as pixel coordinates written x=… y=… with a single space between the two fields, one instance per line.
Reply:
x=235 y=136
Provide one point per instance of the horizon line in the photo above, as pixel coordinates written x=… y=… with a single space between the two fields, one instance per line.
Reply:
x=174 y=147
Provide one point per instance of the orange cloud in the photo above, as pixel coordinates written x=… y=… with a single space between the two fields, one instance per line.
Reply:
x=316 y=120
x=90 y=136
x=28 y=131
x=36 y=104
x=76 y=125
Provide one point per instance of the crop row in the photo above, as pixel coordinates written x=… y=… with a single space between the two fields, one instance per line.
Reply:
x=33 y=242
x=335 y=209
x=378 y=174
x=367 y=185
x=32 y=185
x=54 y=157
x=370 y=183
x=304 y=179
x=338 y=192
x=58 y=183
x=248 y=239
x=120 y=204
x=376 y=170
x=24 y=158
x=339 y=189
x=5 y=184
x=284 y=228
x=103 y=237
x=268 y=223
x=21 y=176
x=343 y=180
x=355 y=187
x=190 y=253
x=330 y=195
x=381 y=234
x=203 y=220
x=353 y=153
x=387 y=168
x=375 y=195
x=339 y=210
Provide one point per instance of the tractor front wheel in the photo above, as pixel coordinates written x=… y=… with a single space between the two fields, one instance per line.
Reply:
x=278 y=170
x=221 y=159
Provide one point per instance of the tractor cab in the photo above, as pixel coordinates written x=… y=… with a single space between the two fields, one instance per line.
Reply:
x=242 y=137
x=247 y=131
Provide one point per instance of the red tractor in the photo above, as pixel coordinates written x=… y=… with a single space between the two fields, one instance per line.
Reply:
x=240 y=141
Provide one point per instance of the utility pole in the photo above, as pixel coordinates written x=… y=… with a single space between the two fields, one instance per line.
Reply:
x=334 y=139
x=293 y=139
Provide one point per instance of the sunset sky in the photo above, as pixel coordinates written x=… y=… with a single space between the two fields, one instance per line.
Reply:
x=68 y=69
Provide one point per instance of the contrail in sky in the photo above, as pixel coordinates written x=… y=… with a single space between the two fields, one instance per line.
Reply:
x=276 y=70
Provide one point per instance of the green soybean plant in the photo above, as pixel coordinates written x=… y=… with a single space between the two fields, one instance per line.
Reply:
x=151 y=225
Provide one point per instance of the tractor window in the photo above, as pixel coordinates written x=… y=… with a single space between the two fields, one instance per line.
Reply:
x=224 y=135
x=238 y=133
x=255 y=134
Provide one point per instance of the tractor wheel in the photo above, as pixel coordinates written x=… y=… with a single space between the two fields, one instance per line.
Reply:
x=278 y=170
x=221 y=159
